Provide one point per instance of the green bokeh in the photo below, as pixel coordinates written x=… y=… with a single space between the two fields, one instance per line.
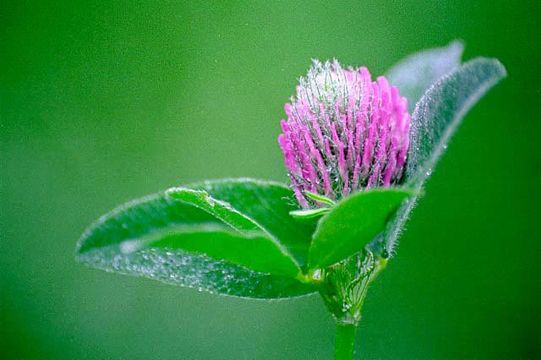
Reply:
x=101 y=103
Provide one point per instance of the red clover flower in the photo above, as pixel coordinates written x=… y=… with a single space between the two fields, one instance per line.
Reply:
x=343 y=133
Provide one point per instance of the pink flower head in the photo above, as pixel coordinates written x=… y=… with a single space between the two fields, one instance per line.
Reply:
x=344 y=132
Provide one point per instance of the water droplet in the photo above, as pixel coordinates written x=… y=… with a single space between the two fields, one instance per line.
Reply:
x=317 y=274
x=210 y=200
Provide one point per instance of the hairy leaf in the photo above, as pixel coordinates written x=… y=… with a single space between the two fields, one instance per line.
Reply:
x=170 y=240
x=435 y=119
x=417 y=72
x=188 y=269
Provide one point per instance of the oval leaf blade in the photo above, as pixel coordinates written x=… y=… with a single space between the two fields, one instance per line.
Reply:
x=442 y=108
x=121 y=241
x=436 y=117
x=352 y=224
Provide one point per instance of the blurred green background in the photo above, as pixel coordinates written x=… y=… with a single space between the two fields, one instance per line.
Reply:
x=101 y=102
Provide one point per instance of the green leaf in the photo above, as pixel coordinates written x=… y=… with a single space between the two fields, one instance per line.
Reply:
x=353 y=223
x=435 y=119
x=267 y=204
x=149 y=237
x=417 y=72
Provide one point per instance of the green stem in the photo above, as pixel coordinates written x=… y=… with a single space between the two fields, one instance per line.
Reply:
x=345 y=341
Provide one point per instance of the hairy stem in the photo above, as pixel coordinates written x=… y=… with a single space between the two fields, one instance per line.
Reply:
x=345 y=341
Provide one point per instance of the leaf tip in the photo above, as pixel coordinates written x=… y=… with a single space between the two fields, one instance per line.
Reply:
x=457 y=46
x=497 y=69
x=501 y=68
